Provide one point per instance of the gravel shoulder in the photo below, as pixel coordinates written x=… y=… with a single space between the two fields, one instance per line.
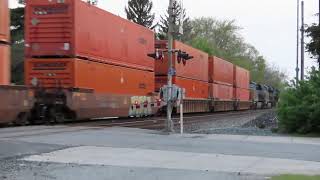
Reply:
x=261 y=123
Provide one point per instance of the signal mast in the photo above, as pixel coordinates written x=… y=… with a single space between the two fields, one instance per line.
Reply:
x=170 y=91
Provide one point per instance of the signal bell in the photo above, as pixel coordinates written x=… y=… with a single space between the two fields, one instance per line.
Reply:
x=158 y=55
x=184 y=57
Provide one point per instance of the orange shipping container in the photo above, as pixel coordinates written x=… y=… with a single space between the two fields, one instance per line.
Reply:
x=221 y=92
x=242 y=94
x=220 y=71
x=4 y=64
x=241 y=77
x=4 y=21
x=194 y=89
x=73 y=28
x=196 y=68
x=77 y=73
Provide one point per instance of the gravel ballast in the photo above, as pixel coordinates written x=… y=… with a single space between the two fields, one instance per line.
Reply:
x=257 y=124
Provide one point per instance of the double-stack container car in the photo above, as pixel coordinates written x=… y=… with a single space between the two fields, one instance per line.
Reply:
x=4 y=43
x=16 y=101
x=4 y=64
x=192 y=76
x=4 y=22
x=241 y=88
x=221 y=74
x=102 y=57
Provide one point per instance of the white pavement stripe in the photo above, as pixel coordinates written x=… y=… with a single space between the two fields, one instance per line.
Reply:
x=259 y=139
x=44 y=131
x=133 y=157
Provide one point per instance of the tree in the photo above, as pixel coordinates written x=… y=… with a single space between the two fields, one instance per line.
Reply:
x=17 y=25
x=139 y=11
x=180 y=16
x=299 y=107
x=314 y=46
x=17 y=48
x=222 y=39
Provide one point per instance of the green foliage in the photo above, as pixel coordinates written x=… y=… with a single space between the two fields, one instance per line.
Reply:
x=314 y=46
x=222 y=39
x=180 y=15
x=17 y=24
x=295 y=177
x=17 y=63
x=17 y=48
x=299 y=107
x=139 y=11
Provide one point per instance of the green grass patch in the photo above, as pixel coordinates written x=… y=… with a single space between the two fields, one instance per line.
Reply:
x=295 y=177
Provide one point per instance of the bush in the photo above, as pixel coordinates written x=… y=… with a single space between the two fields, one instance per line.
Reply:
x=299 y=106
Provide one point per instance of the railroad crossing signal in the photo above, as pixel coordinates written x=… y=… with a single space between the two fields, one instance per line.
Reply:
x=181 y=56
x=158 y=55
x=172 y=72
x=177 y=94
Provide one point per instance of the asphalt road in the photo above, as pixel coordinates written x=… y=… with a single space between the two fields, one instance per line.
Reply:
x=118 y=153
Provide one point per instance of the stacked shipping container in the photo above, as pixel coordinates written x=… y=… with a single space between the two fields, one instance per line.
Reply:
x=241 y=84
x=103 y=78
x=74 y=44
x=4 y=43
x=193 y=76
x=221 y=74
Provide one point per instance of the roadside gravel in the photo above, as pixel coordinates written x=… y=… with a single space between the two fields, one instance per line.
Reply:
x=256 y=123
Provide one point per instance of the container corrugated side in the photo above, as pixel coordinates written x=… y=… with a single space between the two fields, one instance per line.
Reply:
x=242 y=94
x=222 y=71
x=241 y=77
x=221 y=92
x=4 y=21
x=194 y=89
x=78 y=73
x=78 y=30
x=196 y=68
x=5 y=64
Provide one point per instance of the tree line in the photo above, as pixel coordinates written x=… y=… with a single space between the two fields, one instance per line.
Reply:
x=216 y=37
x=299 y=108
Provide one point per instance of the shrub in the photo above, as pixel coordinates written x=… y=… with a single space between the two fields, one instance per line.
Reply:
x=299 y=106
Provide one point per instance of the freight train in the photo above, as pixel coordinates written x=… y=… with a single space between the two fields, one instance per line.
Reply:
x=82 y=62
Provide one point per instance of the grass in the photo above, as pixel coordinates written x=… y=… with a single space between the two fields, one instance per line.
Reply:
x=295 y=177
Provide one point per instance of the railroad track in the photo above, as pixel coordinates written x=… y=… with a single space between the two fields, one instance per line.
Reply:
x=153 y=123
x=158 y=122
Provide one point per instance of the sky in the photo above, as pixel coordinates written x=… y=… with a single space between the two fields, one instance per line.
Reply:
x=269 y=25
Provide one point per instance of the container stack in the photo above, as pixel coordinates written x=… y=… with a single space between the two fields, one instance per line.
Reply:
x=4 y=43
x=74 y=44
x=241 y=84
x=193 y=76
x=221 y=74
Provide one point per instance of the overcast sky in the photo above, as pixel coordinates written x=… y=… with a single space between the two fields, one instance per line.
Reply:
x=269 y=25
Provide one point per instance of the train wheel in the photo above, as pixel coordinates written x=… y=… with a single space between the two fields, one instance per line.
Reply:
x=22 y=119
x=56 y=117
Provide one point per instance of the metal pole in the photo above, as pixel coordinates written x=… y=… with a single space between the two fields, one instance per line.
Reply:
x=169 y=123
x=298 y=26
x=319 y=27
x=181 y=110
x=302 y=40
x=181 y=118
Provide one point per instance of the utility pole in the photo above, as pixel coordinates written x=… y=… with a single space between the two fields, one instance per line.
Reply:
x=319 y=27
x=298 y=26
x=302 y=40
x=169 y=122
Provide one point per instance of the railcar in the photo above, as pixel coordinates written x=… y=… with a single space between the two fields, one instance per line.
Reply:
x=77 y=68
